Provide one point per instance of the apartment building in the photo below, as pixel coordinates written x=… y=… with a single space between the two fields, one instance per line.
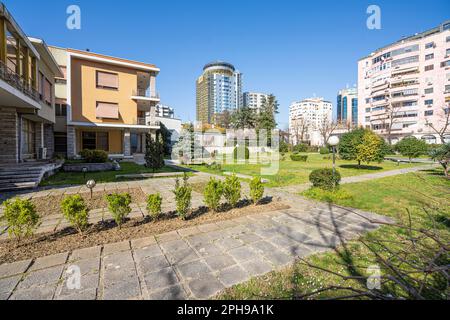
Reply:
x=103 y=102
x=254 y=100
x=405 y=86
x=164 y=111
x=219 y=89
x=347 y=107
x=27 y=94
x=306 y=117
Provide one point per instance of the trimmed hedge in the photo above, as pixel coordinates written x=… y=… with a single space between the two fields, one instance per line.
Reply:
x=94 y=156
x=324 y=150
x=299 y=157
x=301 y=147
x=324 y=178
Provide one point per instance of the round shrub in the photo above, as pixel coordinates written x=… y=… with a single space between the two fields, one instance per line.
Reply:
x=21 y=217
x=256 y=189
x=241 y=151
x=94 y=156
x=301 y=147
x=324 y=178
x=324 y=150
x=299 y=157
x=76 y=212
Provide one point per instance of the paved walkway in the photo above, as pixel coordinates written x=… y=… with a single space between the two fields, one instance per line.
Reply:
x=194 y=263
x=298 y=188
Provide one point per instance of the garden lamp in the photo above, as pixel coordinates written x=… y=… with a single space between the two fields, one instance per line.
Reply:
x=333 y=142
x=91 y=184
x=84 y=170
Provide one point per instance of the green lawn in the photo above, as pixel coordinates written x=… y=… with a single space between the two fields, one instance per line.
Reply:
x=424 y=194
x=77 y=178
x=295 y=172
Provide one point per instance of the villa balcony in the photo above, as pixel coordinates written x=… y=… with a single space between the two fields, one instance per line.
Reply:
x=145 y=94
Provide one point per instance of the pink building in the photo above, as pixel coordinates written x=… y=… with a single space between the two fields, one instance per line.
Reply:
x=405 y=86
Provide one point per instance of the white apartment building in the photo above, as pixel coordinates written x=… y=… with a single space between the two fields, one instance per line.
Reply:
x=164 y=111
x=254 y=100
x=311 y=113
x=405 y=86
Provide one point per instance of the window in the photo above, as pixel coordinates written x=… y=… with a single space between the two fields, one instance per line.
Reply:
x=64 y=71
x=429 y=56
x=429 y=45
x=47 y=92
x=428 y=102
x=428 y=113
x=447 y=88
x=447 y=52
x=428 y=90
x=107 y=80
x=406 y=60
x=107 y=110
x=89 y=140
x=446 y=26
x=60 y=110
x=429 y=67
x=102 y=141
x=445 y=64
x=447 y=39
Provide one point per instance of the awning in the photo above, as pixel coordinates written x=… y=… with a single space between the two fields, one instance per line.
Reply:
x=107 y=110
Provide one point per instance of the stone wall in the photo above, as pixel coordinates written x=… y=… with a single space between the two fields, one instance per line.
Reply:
x=49 y=140
x=71 y=141
x=9 y=137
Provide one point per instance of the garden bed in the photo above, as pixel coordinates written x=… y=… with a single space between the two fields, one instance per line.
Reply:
x=107 y=232
x=52 y=204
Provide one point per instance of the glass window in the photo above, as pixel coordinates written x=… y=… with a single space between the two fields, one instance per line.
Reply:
x=428 y=113
x=89 y=140
x=429 y=45
x=428 y=102
x=428 y=90
x=102 y=141
x=429 y=67
x=429 y=56
x=107 y=80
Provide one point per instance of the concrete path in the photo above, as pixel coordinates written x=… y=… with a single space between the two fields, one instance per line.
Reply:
x=298 y=188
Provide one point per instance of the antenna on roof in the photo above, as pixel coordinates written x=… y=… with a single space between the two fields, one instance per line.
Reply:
x=88 y=50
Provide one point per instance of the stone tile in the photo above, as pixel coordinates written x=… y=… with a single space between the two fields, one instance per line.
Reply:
x=152 y=264
x=38 y=293
x=220 y=262
x=256 y=267
x=160 y=279
x=49 y=261
x=87 y=282
x=119 y=260
x=248 y=237
x=116 y=247
x=42 y=277
x=7 y=285
x=10 y=269
x=208 y=227
x=143 y=242
x=86 y=253
x=174 y=245
x=243 y=254
x=233 y=275
x=278 y=258
x=182 y=256
x=194 y=269
x=175 y=292
x=208 y=250
x=123 y=290
x=83 y=295
x=87 y=266
x=229 y=243
x=151 y=251
x=264 y=247
x=111 y=277
x=168 y=236
x=205 y=287
x=188 y=231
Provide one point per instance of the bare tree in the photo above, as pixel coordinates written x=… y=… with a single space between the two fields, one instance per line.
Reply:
x=299 y=128
x=326 y=129
x=442 y=125
x=389 y=119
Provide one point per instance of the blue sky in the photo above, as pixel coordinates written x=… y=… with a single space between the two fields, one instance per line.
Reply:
x=293 y=49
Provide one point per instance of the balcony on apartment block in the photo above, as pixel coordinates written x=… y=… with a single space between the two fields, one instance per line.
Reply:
x=18 y=65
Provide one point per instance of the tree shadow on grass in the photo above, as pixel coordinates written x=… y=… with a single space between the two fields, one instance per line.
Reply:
x=361 y=167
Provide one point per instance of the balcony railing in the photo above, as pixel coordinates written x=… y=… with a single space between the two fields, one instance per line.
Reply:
x=145 y=93
x=16 y=81
x=146 y=122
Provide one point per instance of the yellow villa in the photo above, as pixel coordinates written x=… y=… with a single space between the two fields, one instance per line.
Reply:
x=103 y=103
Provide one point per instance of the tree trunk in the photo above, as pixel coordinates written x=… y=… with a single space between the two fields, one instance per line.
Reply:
x=359 y=164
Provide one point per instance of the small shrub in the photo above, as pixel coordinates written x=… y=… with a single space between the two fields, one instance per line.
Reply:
x=332 y=196
x=76 y=212
x=241 y=153
x=299 y=157
x=324 y=150
x=183 y=196
x=301 y=147
x=21 y=217
x=256 y=189
x=327 y=157
x=154 y=202
x=232 y=190
x=213 y=193
x=214 y=166
x=324 y=179
x=119 y=206
x=94 y=156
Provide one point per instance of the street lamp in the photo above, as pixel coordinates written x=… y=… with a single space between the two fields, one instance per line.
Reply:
x=91 y=184
x=333 y=142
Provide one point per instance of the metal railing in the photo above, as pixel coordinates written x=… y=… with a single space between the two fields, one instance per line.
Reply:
x=147 y=122
x=145 y=93
x=18 y=82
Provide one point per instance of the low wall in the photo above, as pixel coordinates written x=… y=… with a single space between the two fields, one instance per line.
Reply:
x=91 y=167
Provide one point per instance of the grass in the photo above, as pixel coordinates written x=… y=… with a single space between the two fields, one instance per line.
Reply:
x=295 y=172
x=393 y=197
x=77 y=178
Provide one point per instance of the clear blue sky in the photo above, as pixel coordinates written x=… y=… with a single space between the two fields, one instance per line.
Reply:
x=293 y=49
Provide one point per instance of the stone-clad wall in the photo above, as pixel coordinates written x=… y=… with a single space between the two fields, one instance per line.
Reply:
x=9 y=139
x=49 y=140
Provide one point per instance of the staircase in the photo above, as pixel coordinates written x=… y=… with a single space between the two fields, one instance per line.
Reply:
x=28 y=175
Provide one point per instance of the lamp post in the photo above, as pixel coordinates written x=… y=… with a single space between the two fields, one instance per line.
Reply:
x=84 y=170
x=333 y=142
x=91 y=184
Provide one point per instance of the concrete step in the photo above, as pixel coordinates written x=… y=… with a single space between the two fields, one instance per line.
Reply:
x=17 y=180
x=17 y=186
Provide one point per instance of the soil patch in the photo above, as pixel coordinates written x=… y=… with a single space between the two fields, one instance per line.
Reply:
x=107 y=232
x=50 y=205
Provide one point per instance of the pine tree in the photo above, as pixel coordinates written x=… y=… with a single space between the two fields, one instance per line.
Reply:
x=154 y=152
